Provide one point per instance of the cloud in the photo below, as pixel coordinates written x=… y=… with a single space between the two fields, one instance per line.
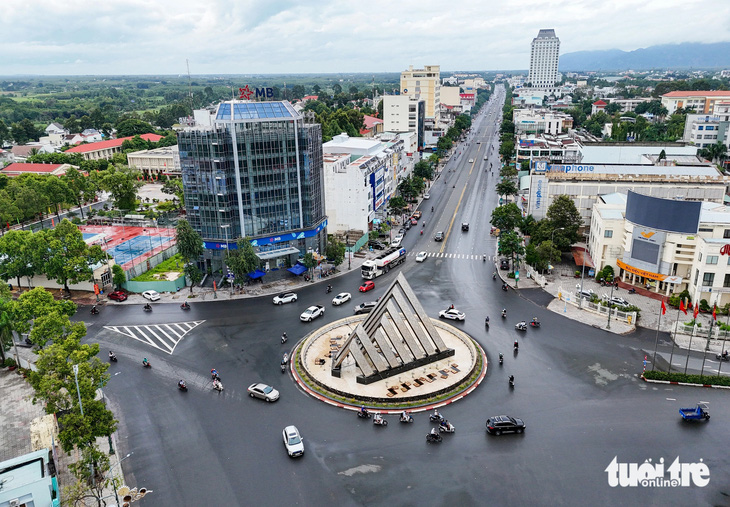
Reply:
x=246 y=37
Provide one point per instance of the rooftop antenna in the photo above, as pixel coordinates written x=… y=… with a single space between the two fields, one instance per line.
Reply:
x=190 y=86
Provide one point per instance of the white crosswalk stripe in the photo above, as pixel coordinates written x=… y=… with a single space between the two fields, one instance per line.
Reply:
x=164 y=337
x=469 y=257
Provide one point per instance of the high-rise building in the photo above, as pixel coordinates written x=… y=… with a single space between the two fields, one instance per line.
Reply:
x=255 y=171
x=401 y=113
x=544 y=59
x=423 y=84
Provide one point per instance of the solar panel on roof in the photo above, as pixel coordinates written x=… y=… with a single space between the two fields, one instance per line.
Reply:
x=254 y=111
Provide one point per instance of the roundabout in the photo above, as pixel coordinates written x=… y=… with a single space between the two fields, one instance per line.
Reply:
x=392 y=359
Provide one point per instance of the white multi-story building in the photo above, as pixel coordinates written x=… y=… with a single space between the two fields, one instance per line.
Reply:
x=544 y=60
x=668 y=244
x=423 y=84
x=159 y=161
x=402 y=113
x=542 y=121
x=701 y=101
x=560 y=149
x=702 y=130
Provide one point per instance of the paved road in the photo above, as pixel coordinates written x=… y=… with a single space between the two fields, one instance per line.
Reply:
x=576 y=388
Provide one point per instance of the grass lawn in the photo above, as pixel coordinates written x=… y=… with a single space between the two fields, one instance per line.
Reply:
x=174 y=263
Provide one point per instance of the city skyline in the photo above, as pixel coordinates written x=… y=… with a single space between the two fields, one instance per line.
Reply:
x=128 y=37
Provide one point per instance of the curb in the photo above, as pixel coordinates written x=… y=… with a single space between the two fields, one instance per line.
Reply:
x=675 y=383
x=423 y=408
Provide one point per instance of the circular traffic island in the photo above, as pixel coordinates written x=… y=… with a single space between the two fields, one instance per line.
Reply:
x=401 y=364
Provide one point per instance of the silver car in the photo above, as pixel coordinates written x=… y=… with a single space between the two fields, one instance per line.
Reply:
x=263 y=391
x=293 y=441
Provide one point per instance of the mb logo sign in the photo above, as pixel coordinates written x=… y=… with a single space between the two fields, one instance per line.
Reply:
x=246 y=93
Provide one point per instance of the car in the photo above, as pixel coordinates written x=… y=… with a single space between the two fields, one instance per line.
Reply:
x=152 y=295
x=377 y=245
x=504 y=424
x=366 y=286
x=312 y=313
x=342 y=297
x=396 y=242
x=118 y=295
x=439 y=236
x=426 y=195
x=401 y=231
x=293 y=441
x=465 y=226
x=452 y=314
x=408 y=226
x=479 y=142
x=486 y=157
x=587 y=294
x=413 y=221
x=421 y=256
x=615 y=300
x=417 y=215
x=365 y=307
x=286 y=297
x=263 y=392
x=504 y=264
x=471 y=160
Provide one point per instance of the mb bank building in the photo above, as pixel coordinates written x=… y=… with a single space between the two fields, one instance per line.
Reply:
x=254 y=170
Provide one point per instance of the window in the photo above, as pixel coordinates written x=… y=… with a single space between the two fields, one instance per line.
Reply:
x=708 y=279
x=712 y=259
x=700 y=257
x=607 y=234
x=700 y=127
x=726 y=283
x=697 y=275
x=710 y=127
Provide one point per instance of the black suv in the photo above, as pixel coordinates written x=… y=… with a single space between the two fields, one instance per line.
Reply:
x=504 y=264
x=365 y=307
x=465 y=226
x=377 y=245
x=504 y=424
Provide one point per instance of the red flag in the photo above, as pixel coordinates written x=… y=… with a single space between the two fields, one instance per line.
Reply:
x=664 y=308
x=697 y=311
x=689 y=305
x=714 y=312
x=682 y=307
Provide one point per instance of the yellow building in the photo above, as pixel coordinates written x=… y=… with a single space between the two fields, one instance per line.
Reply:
x=423 y=84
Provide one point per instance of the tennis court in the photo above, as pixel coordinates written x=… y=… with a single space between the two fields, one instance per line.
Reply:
x=129 y=245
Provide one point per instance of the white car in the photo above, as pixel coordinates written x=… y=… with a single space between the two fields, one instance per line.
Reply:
x=471 y=160
x=342 y=297
x=312 y=313
x=293 y=441
x=452 y=314
x=263 y=391
x=421 y=256
x=152 y=295
x=426 y=195
x=286 y=297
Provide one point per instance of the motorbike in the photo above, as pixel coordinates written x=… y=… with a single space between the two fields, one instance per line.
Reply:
x=494 y=276
x=632 y=291
x=94 y=310
x=283 y=338
x=504 y=314
x=379 y=421
x=217 y=385
x=364 y=415
x=407 y=419
x=214 y=375
x=521 y=326
x=516 y=346
x=185 y=306
x=501 y=358
x=722 y=357
x=147 y=308
x=446 y=427
x=431 y=209
x=504 y=287
x=535 y=323
x=484 y=258
x=146 y=364
x=329 y=289
x=112 y=357
x=182 y=386
x=512 y=381
x=486 y=323
x=284 y=362
x=436 y=417
x=433 y=438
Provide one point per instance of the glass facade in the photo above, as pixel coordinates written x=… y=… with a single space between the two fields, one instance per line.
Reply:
x=260 y=174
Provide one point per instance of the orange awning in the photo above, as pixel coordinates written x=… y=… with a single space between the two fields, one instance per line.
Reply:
x=582 y=257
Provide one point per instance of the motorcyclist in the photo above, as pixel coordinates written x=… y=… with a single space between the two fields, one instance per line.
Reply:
x=436 y=413
x=404 y=415
x=511 y=379
x=112 y=355
x=181 y=384
x=94 y=309
x=145 y=362
x=434 y=432
x=534 y=319
x=725 y=354
x=501 y=357
x=363 y=410
x=494 y=275
x=214 y=374
x=517 y=345
x=486 y=321
x=377 y=418
x=504 y=286
x=329 y=288
x=504 y=312
x=185 y=305
x=431 y=209
x=148 y=306
x=283 y=337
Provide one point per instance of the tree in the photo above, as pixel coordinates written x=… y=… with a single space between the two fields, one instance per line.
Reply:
x=562 y=213
x=17 y=258
x=71 y=124
x=57 y=192
x=506 y=217
x=69 y=258
x=506 y=187
x=510 y=244
x=406 y=189
x=242 y=260
x=4 y=133
x=423 y=169
x=190 y=248
x=335 y=251
x=337 y=88
x=507 y=150
x=122 y=184
x=193 y=273
x=547 y=254
x=6 y=321
x=92 y=478
x=80 y=187
x=133 y=127
x=309 y=261
x=397 y=205
x=119 y=277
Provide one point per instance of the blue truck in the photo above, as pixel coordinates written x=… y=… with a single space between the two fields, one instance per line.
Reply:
x=699 y=412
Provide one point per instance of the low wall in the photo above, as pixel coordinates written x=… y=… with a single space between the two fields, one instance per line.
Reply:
x=161 y=286
x=570 y=298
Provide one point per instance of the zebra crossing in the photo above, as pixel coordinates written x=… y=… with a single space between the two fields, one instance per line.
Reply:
x=164 y=337
x=445 y=255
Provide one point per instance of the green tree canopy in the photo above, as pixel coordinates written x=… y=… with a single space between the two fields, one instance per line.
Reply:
x=423 y=169
x=123 y=184
x=68 y=257
x=506 y=217
x=335 y=251
x=242 y=260
x=510 y=244
x=506 y=187
x=397 y=205
x=189 y=242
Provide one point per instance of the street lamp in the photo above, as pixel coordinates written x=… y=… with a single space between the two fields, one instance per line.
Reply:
x=116 y=496
x=553 y=233
x=225 y=266
x=582 y=274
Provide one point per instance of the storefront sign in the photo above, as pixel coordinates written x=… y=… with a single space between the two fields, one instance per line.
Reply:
x=246 y=93
x=725 y=250
x=640 y=272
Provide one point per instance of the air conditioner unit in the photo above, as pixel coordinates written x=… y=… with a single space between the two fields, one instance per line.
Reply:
x=14 y=503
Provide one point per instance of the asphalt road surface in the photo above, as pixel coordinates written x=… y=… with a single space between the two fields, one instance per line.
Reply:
x=576 y=388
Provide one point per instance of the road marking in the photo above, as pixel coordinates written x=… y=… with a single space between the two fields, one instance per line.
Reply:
x=164 y=337
x=671 y=399
x=458 y=205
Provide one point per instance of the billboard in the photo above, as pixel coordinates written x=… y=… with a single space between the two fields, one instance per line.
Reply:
x=663 y=214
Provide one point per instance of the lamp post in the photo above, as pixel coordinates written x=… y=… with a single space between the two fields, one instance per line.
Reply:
x=582 y=275
x=608 y=324
x=552 y=235
x=116 y=496
x=349 y=253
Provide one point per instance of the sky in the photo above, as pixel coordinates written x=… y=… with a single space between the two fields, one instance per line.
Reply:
x=113 y=37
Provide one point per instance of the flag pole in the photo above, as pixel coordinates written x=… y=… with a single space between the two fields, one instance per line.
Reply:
x=656 y=340
x=704 y=355
x=689 y=349
x=676 y=328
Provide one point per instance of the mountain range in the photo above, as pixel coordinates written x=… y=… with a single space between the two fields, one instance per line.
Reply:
x=687 y=55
